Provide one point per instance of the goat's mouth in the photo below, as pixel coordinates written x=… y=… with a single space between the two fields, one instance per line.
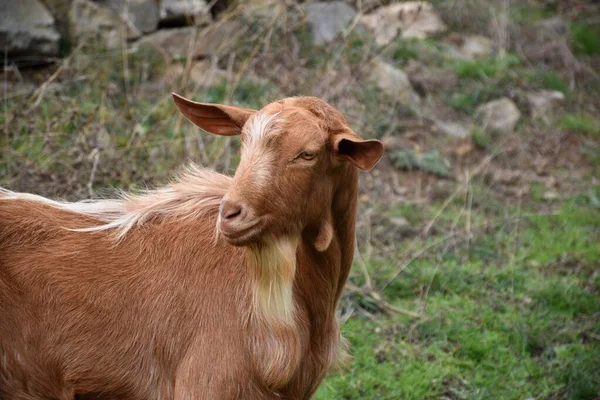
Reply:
x=241 y=235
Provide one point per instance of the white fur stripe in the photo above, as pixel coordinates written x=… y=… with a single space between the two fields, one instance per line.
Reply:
x=193 y=194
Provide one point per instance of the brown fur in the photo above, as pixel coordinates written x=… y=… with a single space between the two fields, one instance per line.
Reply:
x=168 y=308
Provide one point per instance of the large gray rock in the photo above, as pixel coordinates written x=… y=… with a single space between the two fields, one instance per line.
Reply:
x=426 y=79
x=395 y=83
x=27 y=28
x=543 y=104
x=141 y=14
x=499 y=116
x=184 y=12
x=94 y=21
x=410 y=19
x=190 y=42
x=328 y=20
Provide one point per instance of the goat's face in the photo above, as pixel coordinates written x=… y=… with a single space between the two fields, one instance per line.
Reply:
x=293 y=154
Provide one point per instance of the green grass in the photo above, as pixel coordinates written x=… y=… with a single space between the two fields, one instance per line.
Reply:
x=580 y=123
x=482 y=80
x=485 y=69
x=430 y=161
x=553 y=81
x=428 y=51
x=501 y=321
x=585 y=38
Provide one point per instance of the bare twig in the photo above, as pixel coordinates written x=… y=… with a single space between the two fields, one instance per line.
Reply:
x=95 y=155
x=42 y=89
x=363 y=268
x=382 y=304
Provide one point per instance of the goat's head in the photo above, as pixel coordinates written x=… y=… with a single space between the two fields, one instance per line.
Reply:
x=294 y=154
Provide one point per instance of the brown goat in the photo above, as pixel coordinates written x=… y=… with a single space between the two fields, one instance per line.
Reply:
x=212 y=287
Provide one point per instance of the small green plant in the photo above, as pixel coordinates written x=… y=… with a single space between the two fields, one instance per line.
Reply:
x=247 y=94
x=585 y=38
x=481 y=139
x=430 y=161
x=553 y=81
x=485 y=69
x=403 y=50
x=580 y=123
x=472 y=95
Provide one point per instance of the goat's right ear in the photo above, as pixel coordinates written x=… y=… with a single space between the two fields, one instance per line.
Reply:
x=360 y=152
x=214 y=118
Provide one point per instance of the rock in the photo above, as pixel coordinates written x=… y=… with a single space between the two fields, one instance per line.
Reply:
x=429 y=80
x=395 y=83
x=183 y=42
x=454 y=129
x=471 y=46
x=500 y=116
x=27 y=28
x=328 y=20
x=142 y=14
x=476 y=46
x=202 y=72
x=92 y=20
x=543 y=104
x=399 y=222
x=547 y=41
x=184 y=12
x=412 y=19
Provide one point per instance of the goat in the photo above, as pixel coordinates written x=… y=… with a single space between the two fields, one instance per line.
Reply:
x=212 y=287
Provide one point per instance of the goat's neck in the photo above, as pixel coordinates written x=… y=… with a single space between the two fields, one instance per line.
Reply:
x=321 y=275
x=294 y=282
x=293 y=262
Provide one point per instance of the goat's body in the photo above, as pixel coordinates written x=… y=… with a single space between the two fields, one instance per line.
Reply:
x=87 y=306
x=149 y=297
x=167 y=312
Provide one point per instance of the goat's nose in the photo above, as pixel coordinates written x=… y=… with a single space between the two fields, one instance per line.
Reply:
x=230 y=210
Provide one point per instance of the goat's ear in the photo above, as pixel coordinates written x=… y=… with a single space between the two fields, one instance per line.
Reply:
x=214 y=118
x=325 y=235
x=362 y=153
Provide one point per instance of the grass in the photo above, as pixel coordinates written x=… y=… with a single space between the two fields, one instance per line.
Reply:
x=501 y=322
x=585 y=38
x=485 y=69
x=553 y=81
x=581 y=123
x=430 y=161
x=403 y=50
x=482 y=80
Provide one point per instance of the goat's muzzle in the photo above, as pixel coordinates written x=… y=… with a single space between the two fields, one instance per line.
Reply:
x=237 y=222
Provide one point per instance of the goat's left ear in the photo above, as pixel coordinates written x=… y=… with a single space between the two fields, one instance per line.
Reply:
x=214 y=118
x=360 y=152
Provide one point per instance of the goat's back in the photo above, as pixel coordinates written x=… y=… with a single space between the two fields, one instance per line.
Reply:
x=81 y=311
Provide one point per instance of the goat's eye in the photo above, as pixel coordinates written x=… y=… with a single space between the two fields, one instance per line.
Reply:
x=307 y=155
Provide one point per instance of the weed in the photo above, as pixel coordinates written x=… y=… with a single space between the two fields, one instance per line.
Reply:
x=580 y=123
x=485 y=69
x=585 y=38
x=553 y=81
x=481 y=139
x=430 y=161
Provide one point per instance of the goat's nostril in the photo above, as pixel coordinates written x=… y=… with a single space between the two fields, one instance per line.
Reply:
x=230 y=210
